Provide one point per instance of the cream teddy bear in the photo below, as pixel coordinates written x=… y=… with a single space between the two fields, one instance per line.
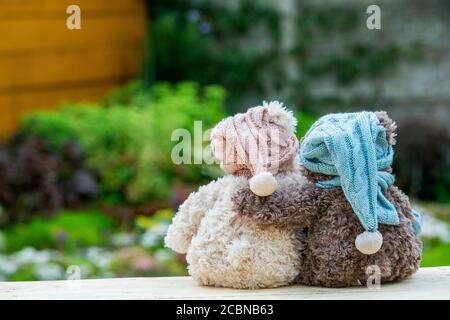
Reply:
x=257 y=148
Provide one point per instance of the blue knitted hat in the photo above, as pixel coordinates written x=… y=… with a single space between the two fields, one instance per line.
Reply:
x=353 y=148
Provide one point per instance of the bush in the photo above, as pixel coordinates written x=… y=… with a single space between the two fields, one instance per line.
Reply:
x=305 y=121
x=67 y=230
x=210 y=34
x=133 y=93
x=436 y=256
x=422 y=159
x=239 y=45
x=34 y=179
x=129 y=146
x=90 y=240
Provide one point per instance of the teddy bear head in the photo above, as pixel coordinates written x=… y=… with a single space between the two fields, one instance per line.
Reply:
x=259 y=144
x=354 y=151
x=391 y=133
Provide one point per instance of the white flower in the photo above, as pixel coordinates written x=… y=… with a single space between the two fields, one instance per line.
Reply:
x=434 y=228
x=31 y=255
x=99 y=257
x=86 y=270
x=163 y=255
x=7 y=266
x=160 y=229
x=49 y=271
x=149 y=239
x=108 y=274
x=152 y=236
x=122 y=239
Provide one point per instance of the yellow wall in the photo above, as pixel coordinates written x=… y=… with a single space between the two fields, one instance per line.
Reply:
x=43 y=63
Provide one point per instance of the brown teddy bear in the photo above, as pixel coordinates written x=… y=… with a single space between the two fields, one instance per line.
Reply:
x=356 y=222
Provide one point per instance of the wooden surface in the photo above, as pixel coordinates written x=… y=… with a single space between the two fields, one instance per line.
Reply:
x=428 y=283
x=42 y=62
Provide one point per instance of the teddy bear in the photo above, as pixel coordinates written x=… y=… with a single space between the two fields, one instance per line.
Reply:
x=257 y=150
x=357 y=223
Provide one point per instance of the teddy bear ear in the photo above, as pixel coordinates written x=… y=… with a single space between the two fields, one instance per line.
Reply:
x=389 y=124
x=280 y=115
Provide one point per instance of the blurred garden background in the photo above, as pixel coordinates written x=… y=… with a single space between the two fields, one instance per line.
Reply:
x=86 y=116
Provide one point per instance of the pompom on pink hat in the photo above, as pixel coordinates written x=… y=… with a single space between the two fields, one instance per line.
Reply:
x=256 y=144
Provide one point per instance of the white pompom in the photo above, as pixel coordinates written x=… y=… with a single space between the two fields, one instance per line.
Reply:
x=263 y=184
x=369 y=242
x=281 y=115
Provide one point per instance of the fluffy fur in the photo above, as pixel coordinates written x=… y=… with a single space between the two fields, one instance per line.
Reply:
x=389 y=124
x=331 y=258
x=281 y=115
x=228 y=252
x=239 y=253
x=329 y=226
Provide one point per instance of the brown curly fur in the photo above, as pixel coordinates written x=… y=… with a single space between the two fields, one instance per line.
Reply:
x=330 y=258
x=329 y=226
x=389 y=124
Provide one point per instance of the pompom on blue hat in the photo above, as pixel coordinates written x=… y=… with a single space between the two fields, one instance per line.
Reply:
x=354 y=149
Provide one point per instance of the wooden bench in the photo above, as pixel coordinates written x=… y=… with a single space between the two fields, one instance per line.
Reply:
x=427 y=283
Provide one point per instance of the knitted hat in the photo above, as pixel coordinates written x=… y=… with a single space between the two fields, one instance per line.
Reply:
x=354 y=149
x=256 y=143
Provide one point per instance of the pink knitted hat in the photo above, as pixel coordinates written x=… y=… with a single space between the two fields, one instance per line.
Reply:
x=256 y=143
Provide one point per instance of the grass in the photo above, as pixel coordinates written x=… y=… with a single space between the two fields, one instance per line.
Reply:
x=435 y=252
x=436 y=256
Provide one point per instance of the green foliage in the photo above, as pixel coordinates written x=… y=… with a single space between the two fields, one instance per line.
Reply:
x=442 y=186
x=25 y=273
x=154 y=228
x=319 y=55
x=240 y=48
x=160 y=216
x=134 y=93
x=422 y=160
x=129 y=146
x=436 y=249
x=305 y=121
x=67 y=230
x=36 y=180
x=209 y=34
x=439 y=210
x=91 y=241
x=436 y=256
x=360 y=60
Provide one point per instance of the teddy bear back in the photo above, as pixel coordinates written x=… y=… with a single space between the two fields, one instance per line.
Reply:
x=257 y=144
x=354 y=151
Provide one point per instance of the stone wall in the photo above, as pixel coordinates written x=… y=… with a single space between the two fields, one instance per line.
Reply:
x=420 y=87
